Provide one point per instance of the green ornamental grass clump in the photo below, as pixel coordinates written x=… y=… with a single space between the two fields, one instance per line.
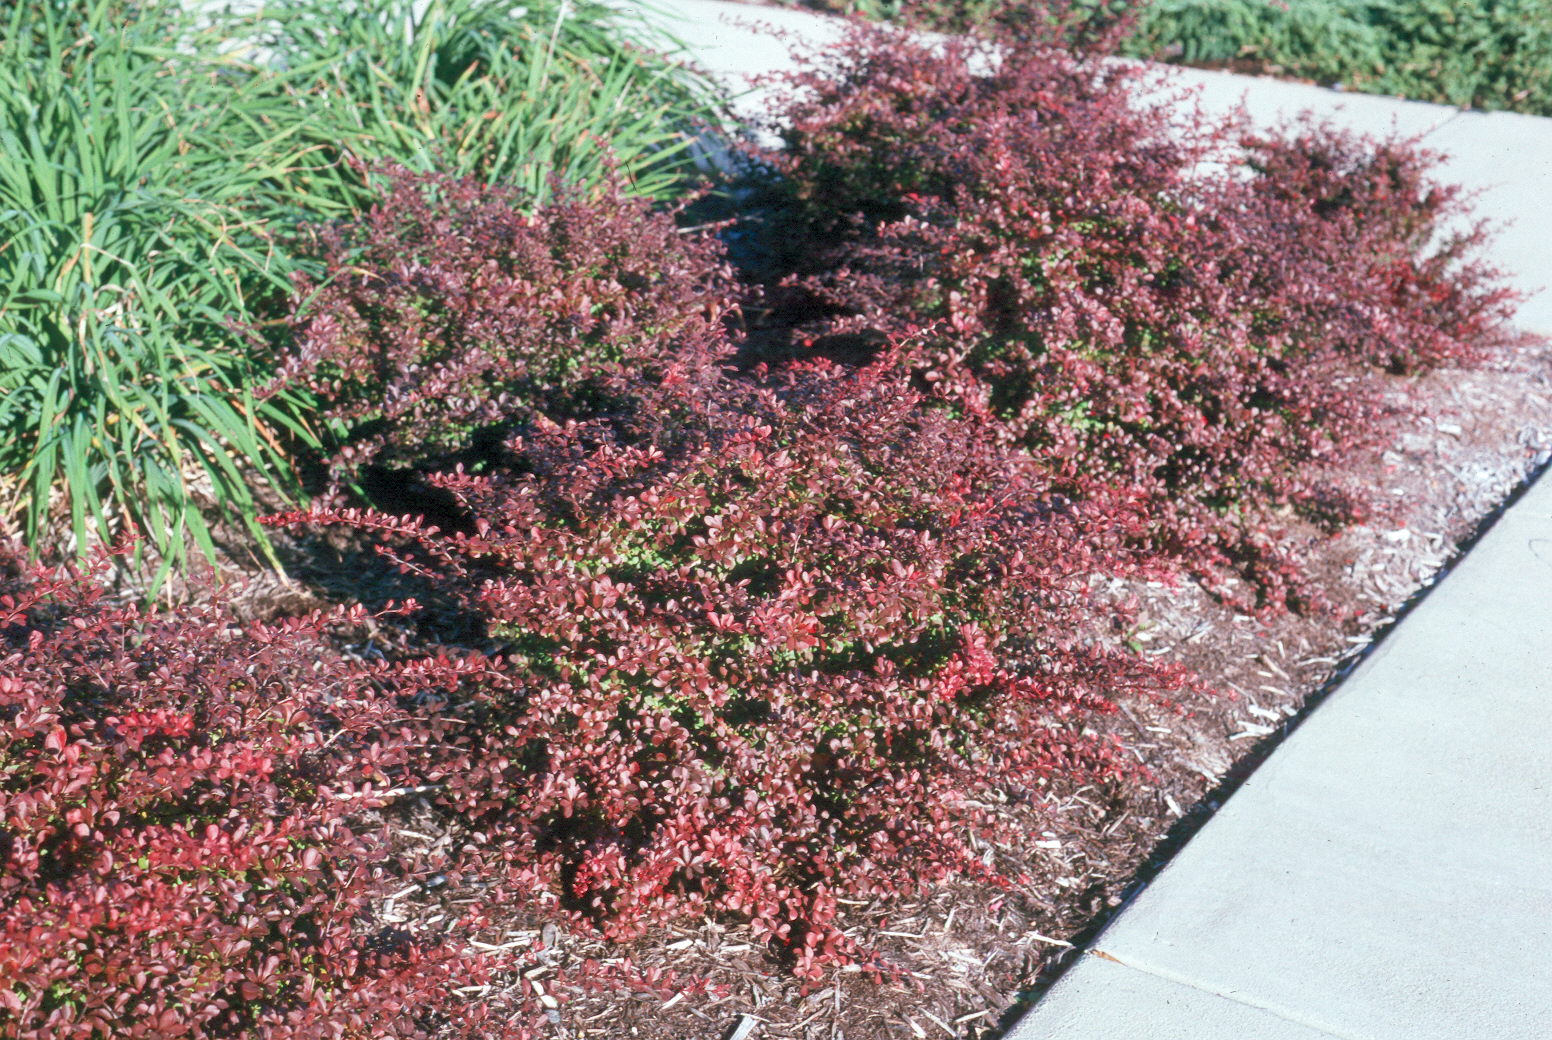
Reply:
x=520 y=93
x=155 y=170
x=128 y=174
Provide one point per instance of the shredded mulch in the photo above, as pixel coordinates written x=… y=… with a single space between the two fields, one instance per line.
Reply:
x=970 y=957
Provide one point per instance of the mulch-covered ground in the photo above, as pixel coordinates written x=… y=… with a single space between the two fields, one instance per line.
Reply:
x=970 y=957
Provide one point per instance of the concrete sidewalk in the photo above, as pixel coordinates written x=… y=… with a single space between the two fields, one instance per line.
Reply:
x=1387 y=874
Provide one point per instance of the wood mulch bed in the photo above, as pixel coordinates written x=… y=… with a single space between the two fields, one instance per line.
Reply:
x=970 y=957
x=973 y=957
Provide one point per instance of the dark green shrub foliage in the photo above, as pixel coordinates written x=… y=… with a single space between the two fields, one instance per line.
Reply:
x=1319 y=39
x=1206 y=342
x=1482 y=53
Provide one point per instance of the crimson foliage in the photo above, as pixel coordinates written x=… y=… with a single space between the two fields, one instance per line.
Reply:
x=452 y=311
x=757 y=642
x=182 y=846
x=1204 y=320
x=768 y=651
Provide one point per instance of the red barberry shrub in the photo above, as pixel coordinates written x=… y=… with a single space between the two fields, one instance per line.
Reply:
x=764 y=645
x=1362 y=219
x=452 y=311
x=1207 y=334
x=185 y=845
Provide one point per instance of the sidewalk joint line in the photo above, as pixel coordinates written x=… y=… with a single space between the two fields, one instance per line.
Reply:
x=1440 y=126
x=1181 y=980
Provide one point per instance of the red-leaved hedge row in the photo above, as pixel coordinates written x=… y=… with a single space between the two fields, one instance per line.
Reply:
x=768 y=649
x=187 y=847
x=764 y=643
x=451 y=311
x=1200 y=315
x=755 y=638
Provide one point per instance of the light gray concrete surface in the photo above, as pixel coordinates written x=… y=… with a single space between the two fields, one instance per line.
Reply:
x=1387 y=874
x=743 y=40
x=1507 y=158
x=739 y=44
x=1271 y=102
x=1111 y=1001
x=1387 y=869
